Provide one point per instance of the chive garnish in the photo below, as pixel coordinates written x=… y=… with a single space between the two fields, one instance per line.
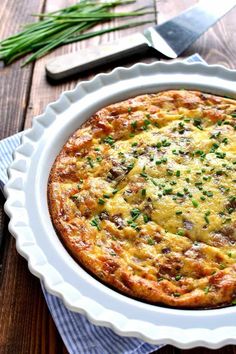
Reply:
x=135 y=213
x=145 y=218
x=143 y=192
x=206 y=217
x=109 y=140
x=177 y=173
x=90 y=162
x=178 y=212
x=195 y=203
x=101 y=201
x=176 y=294
x=95 y=223
x=153 y=181
x=151 y=242
x=134 y=144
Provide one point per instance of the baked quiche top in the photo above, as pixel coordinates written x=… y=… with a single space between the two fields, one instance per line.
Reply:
x=144 y=196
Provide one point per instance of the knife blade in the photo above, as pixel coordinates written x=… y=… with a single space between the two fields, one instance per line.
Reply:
x=170 y=39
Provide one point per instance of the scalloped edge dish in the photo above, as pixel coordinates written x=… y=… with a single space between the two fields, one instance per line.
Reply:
x=37 y=241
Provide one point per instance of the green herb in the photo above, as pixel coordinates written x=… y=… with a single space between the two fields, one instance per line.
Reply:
x=178 y=212
x=206 y=289
x=130 y=166
x=143 y=174
x=225 y=141
x=95 y=223
x=197 y=123
x=177 y=173
x=109 y=140
x=233 y=302
x=145 y=218
x=151 y=242
x=173 y=183
x=129 y=109
x=101 y=201
x=153 y=181
x=176 y=294
x=195 y=203
x=143 y=192
x=146 y=124
x=165 y=143
x=158 y=162
x=134 y=124
x=169 y=172
x=167 y=191
x=178 y=277
x=90 y=162
x=115 y=191
x=222 y=266
x=74 y=197
x=65 y=26
x=220 y=155
x=107 y=196
x=180 y=232
x=135 y=213
x=206 y=216
x=174 y=152
x=209 y=194
x=179 y=194
x=134 y=144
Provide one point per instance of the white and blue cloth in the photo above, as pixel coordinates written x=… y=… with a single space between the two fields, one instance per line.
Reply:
x=79 y=335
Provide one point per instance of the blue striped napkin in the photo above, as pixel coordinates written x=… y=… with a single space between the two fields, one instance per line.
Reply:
x=78 y=334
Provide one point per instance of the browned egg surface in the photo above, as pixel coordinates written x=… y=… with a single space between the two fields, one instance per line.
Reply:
x=144 y=196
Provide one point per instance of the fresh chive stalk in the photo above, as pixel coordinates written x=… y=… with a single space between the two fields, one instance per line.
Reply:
x=65 y=26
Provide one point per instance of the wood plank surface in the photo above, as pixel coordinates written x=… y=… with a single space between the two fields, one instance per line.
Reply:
x=26 y=325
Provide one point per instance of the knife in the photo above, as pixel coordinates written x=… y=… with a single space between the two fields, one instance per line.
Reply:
x=170 y=39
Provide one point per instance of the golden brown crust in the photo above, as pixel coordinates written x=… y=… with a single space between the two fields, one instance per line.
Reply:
x=144 y=196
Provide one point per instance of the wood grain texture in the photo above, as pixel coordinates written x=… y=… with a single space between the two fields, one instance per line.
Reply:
x=14 y=81
x=217 y=45
x=25 y=323
x=44 y=91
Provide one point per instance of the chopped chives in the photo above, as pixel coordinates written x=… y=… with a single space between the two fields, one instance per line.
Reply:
x=178 y=212
x=177 y=173
x=195 y=203
x=143 y=192
x=101 y=201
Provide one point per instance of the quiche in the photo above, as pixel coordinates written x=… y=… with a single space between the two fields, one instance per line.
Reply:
x=143 y=196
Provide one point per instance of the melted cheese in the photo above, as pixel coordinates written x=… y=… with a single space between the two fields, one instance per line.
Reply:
x=145 y=197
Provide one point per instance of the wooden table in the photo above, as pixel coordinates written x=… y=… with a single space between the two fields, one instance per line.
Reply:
x=25 y=322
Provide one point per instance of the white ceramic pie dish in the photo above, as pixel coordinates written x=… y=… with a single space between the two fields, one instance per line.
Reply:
x=37 y=241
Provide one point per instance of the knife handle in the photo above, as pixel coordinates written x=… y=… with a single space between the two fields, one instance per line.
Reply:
x=69 y=64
